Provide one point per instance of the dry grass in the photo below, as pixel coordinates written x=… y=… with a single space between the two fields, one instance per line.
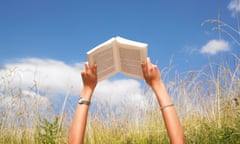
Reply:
x=208 y=103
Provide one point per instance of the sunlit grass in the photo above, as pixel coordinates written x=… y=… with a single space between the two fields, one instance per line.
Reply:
x=207 y=101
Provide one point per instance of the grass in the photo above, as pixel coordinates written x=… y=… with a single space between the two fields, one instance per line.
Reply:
x=207 y=101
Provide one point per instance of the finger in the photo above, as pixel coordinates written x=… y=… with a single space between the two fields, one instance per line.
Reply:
x=143 y=67
x=146 y=66
x=86 y=66
x=94 y=68
x=83 y=73
x=148 y=63
x=144 y=70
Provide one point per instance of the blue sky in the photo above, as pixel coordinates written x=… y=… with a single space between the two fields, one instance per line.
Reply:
x=51 y=37
x=65 y=30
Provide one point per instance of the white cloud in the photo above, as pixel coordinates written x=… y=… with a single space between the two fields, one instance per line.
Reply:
x=215 y=46
x=52 y=77
x=49 y=76
x=120 y=92
x=234 y=7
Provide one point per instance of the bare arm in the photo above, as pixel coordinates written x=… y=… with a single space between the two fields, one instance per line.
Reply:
x=152 y=76
x=77 y=130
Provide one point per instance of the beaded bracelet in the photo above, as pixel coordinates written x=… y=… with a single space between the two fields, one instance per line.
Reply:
x=163 y=107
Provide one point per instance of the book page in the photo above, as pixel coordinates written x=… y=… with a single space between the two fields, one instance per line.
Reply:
x=131 y=60
x=103 y=56
x=131 y=55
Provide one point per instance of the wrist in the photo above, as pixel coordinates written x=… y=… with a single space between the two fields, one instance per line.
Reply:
x=87 y=93
x=158 y=86
x=162 y=94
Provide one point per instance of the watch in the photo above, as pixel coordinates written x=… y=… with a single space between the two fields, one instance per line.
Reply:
x=83 y=101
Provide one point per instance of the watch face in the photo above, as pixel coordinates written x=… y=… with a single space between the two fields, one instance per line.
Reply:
x=83 y=101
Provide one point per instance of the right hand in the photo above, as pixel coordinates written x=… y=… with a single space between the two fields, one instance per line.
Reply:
x=89 y=76
x=151 y=74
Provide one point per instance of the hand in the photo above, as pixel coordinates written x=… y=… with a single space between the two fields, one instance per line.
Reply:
x=79 y=122
x=89 y=76
x=151 y=74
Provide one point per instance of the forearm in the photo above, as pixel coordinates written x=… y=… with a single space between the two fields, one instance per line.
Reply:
x=172 y=123
x=77 y=130
x=161 y=94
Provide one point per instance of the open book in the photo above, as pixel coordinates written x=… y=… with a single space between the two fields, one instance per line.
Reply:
x=118 y=55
